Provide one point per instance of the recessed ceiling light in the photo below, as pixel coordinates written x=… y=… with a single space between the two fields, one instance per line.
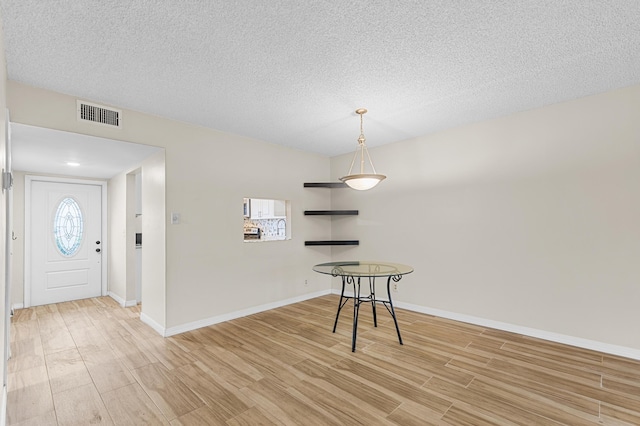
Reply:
x=72 y=164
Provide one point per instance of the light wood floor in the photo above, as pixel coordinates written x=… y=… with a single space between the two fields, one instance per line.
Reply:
x=91 y=362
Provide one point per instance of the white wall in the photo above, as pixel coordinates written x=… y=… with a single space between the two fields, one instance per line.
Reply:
x=117 y=237
x=130 y=238
x=531 y=220
x=154 y=254
x=121 y=231
x=3 y=221
x=210 y=272
x=17 y=258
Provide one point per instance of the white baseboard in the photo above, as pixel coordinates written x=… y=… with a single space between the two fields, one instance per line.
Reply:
x=483 y=322
x=3 y=408
x=151 y=323
x=16 y=306
x=121 y=301
x=239 y=314
x=525 y=331
x=117 y=298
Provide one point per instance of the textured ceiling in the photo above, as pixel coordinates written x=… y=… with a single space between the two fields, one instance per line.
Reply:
x=293 y=72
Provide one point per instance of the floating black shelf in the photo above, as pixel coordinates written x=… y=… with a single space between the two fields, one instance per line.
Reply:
x=331 y=212
x=325 y=185
x=333 y=243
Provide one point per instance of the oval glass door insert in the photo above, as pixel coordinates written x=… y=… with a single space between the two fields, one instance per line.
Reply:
x=68 y=225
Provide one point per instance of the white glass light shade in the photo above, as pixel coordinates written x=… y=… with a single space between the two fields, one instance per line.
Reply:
x=362 y=182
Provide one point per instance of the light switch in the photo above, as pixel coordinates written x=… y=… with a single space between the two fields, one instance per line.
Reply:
x=175 y=218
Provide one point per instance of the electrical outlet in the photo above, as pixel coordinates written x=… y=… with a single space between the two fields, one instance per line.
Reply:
x=396 y=287
x=306 y=283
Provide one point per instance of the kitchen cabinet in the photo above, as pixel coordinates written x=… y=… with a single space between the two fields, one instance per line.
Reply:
x=267 y=209
x=259 y=208
x=279 y=208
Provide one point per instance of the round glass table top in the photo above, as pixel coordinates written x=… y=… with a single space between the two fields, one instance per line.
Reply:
x=363 y=268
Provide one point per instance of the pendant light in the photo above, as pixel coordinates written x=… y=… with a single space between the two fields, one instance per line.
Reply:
x=362 y=181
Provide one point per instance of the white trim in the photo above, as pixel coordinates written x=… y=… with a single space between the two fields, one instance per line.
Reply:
x=17 y=306
x=28 y=179
x=239 y=314
x=3 y=407
x=121 y=301
x=151 y=323
x=526 y=331
x=7 y=261
x=104 y=242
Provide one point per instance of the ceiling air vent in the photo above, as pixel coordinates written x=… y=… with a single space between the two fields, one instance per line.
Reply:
x=99 y=114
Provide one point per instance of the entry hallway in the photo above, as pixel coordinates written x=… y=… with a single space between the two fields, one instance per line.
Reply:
x=93 y=362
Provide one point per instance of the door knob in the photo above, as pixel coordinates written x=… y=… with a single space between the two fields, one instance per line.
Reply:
x=97 y=242
x=97 y=250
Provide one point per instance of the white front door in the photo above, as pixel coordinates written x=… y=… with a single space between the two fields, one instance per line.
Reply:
x=65 y=242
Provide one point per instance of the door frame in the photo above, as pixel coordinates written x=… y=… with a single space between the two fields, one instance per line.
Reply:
x=7 y=190
x=28 y=180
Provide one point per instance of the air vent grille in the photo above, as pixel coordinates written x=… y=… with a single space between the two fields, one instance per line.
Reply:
x=99 y=114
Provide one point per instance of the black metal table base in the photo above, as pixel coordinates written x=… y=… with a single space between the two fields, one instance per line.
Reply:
x=358 y=300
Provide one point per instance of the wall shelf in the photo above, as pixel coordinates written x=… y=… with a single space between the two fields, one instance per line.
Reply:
x=333 y=243
x=325 y=185
x=331 y=212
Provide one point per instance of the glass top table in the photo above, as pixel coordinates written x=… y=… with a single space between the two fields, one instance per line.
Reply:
x=351 y=273
x=363 y=269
